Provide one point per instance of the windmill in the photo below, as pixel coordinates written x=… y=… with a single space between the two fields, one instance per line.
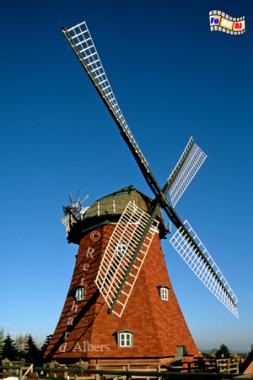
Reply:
x=125 y=240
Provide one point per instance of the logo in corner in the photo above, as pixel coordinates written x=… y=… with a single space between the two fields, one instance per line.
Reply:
x=222 y=22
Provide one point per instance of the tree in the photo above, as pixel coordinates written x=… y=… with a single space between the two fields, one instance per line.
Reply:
x=21 y=345
x=9 y=350
x=1 y=341
x=223 y=352
x=33 y=354
x=45 y=344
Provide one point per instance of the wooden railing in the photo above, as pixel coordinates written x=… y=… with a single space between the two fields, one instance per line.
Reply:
x=228 y=366
x=48 y=373
x=21 y=371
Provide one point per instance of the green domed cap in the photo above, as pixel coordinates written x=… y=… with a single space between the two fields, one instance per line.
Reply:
x=109 y=209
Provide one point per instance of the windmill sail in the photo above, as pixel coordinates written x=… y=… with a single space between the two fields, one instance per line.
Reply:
x=187 y=167
x=82 y=43
x=122 y=259
x=204 y=266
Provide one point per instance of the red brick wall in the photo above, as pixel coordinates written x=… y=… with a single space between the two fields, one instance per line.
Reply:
x=158 y=326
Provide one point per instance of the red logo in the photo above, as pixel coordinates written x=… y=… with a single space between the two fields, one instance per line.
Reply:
x=238 y=25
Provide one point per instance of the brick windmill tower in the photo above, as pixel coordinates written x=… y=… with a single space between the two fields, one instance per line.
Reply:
x=121 y=304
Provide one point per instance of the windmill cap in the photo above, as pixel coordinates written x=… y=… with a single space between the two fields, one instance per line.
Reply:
x=108 y=210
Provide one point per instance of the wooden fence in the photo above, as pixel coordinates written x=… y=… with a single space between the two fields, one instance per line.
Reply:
x=49 y=373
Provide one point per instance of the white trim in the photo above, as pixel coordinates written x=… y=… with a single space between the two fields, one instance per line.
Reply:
x=125 y=339
x=79 y=293
x=164 y=293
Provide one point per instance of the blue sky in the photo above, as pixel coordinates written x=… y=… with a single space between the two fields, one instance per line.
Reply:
x=173 y=79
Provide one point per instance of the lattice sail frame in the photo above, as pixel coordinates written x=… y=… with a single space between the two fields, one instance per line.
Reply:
x=82 y=43
x=185 y=170
x=117 y=261
x=206 y=270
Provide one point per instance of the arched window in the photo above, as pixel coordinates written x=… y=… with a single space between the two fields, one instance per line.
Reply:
x=164 y=293
x=125 y=339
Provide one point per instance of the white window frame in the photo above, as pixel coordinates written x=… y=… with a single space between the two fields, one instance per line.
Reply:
x=164 y=293
x=79 y=294
x=125 y=339
x=121 y=250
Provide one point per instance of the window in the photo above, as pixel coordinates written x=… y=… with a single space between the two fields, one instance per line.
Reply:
x=164 y=293
x=120 y=250
x=125 y=339
x=79 y=294
x=181 y=352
